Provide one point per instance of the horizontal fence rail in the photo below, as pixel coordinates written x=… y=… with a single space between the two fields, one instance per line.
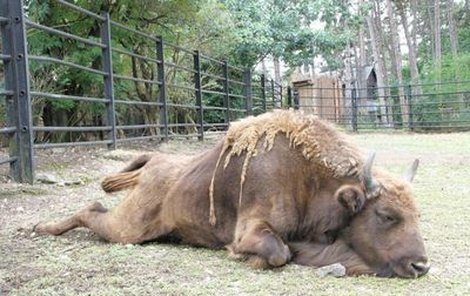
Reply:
x=157 y=90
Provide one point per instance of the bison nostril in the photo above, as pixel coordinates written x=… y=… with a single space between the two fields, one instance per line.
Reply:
x=421 y=267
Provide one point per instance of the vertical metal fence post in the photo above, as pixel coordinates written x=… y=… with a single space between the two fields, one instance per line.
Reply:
x=247 y=92
x=354 y=109
x=273 y=94
x=263 y=92
x=226 y=93
x=289 y=97
x=198 y=93
x=17 y=80
x=281 y=99
x=296 y=99
x=322 y=105
x=409 y=97
x=162 y=89
x=10 y=103
x=107 y=64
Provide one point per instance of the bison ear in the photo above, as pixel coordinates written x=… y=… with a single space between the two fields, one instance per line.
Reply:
x=351 y=198
x=411 y=172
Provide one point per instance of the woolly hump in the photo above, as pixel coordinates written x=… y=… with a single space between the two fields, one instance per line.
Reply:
x=319 y=142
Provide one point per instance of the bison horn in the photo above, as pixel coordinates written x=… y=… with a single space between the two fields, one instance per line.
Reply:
x=371 y=185
x=411 y=172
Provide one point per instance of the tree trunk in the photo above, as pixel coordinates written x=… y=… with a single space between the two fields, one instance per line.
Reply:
x=382 y=48
x=428 y=27
x=264 y=69
x=277 y=70
x=396 y=57
x=411 y=47
x=414 y=25
x=348 y=81
x=277 y=79
x=379 y=69
x=454 y=46
x=437 y=38
x=361 y=64
x=452 y=27
x=311 y=71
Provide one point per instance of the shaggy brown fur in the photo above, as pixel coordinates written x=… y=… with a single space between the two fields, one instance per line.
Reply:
x=318 y=141
x=285 y=178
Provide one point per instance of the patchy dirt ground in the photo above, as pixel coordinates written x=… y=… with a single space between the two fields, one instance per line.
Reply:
x=79 y=263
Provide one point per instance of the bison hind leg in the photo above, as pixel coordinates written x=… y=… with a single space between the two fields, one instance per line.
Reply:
x=58 y=228
x=95 y=217
x=107 y=225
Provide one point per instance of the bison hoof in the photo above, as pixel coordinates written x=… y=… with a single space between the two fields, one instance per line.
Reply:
x=46 y=228
x=40 y=228
x=280 y=259
x=232 y=254
x=260 y=262
x=257 y=262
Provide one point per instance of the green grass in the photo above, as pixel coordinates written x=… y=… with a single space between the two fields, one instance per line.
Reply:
x=79 y=263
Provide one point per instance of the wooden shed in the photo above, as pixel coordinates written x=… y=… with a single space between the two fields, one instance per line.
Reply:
x=321 y=96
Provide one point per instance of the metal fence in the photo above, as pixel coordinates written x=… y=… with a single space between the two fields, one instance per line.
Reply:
x=189 y=98
x=425 y=107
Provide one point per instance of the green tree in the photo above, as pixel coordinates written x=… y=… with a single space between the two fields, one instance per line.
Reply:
x=284 y=29
x=203 y=25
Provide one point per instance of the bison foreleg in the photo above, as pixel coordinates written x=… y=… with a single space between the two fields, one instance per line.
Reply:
x=257 y=241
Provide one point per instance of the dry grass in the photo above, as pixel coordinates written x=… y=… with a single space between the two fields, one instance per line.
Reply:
x=80 y=263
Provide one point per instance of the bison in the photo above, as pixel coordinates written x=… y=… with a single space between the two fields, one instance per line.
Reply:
x=281 y=186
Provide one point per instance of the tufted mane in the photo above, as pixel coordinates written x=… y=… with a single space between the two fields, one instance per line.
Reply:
x=319 y=142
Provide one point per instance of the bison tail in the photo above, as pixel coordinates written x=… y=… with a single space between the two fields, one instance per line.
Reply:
x=126 y=178
x=120 y=181
x=137 y=163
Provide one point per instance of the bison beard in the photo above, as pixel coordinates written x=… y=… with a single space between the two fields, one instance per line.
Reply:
x=279 y=186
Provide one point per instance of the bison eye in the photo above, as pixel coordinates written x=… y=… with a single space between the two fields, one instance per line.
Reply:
x=386 y=218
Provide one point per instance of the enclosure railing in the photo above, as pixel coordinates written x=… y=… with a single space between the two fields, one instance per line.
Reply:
x=184 y=98
x=443 y=106
x=159 y=90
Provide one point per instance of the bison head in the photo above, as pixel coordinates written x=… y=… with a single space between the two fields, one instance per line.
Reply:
x=382 y=239
x=385 y=234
